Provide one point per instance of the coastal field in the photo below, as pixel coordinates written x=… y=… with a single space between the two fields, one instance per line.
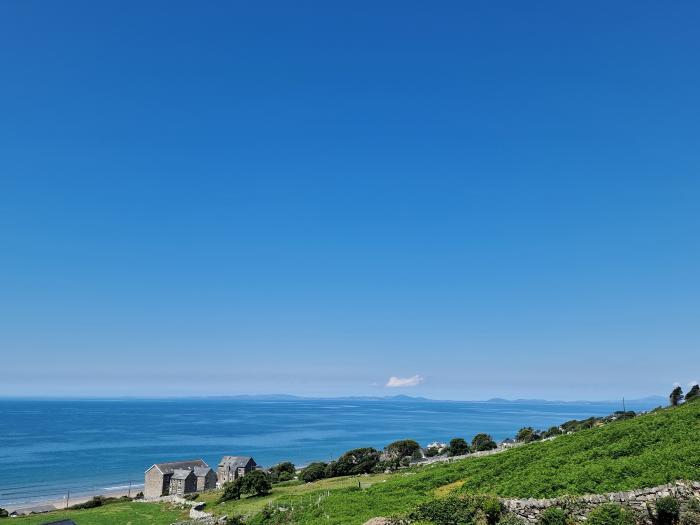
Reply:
x=114 y=514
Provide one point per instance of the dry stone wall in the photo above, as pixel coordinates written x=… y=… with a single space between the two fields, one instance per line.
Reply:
x=637 y=500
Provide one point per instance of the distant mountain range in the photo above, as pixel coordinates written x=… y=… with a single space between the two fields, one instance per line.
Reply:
x=660 y=400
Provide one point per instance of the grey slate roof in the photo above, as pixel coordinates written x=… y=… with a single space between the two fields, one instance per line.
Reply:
x=181 y=473
x=169 y=468
x=235 y=461
x=201 y=471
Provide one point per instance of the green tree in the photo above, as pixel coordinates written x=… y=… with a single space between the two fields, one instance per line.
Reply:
x=402 y=448
x=693 y=393
x=256 y=482
x=313 y=472
x=527 y=435
x=483 y=442
x=676 y=396
x=355 y=461
x=611 y=514
x=231 y=491
x=282 y=472
x=459 y=447
x=3 y=513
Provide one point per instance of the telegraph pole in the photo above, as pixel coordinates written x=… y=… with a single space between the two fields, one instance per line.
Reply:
x=129 y=489
x=67 y=498
x=624 y=409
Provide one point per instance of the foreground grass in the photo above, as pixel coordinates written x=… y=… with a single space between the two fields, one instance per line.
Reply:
x=113 y=514
x=649 y=450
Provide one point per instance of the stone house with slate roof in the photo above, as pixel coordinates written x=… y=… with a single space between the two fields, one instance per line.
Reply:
x=234 y=467
x=178 y=478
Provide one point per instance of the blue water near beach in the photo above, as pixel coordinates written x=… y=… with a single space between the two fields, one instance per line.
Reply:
x=50 y=447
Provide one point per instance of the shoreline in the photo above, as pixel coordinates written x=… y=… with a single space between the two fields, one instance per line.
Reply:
x=60 y=503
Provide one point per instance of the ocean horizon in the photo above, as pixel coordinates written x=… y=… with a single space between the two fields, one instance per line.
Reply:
x=52 y=447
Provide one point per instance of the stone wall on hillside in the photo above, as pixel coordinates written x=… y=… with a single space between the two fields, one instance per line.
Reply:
x=638 y=500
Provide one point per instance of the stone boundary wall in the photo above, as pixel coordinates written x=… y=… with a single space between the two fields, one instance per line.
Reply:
x=580 y=506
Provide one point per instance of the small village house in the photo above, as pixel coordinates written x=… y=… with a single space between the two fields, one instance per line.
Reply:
x=178 y=478
x=234 y=467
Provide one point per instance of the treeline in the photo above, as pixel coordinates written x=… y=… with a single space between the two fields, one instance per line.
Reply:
x=398 y=454
x=529 y=434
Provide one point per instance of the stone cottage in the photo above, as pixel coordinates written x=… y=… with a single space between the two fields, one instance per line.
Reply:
x=178 y=478
x=234 y=467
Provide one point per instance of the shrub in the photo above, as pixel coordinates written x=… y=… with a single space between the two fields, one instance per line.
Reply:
x=96 y=501
x=234 y=520
x=554 y=516
x=462 y=510
x=3 y=513
x=668 y=510
x=611 y=514
x=459 y=447
x=313 y=472
x=231 y=491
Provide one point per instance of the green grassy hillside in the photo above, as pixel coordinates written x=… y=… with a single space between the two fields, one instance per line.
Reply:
x=114 y=514
x=649 y=450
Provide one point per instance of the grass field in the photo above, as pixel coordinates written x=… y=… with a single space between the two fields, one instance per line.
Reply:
x=114 y=514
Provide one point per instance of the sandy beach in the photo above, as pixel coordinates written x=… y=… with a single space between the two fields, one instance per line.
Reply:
x=61 y=503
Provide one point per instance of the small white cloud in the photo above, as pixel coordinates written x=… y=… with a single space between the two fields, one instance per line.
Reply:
x=402 y=382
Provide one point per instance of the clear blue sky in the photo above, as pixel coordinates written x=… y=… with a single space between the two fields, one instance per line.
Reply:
x=501 y=198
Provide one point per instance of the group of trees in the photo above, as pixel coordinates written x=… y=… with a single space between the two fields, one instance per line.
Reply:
x=353 y=462
x=529 y=434
x=676 y=397
x=480 y=442
x=395 y=455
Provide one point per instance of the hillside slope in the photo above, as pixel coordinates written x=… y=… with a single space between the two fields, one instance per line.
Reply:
x=649 y=450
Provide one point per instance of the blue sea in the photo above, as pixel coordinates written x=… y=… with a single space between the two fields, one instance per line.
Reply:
x=50 y=447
